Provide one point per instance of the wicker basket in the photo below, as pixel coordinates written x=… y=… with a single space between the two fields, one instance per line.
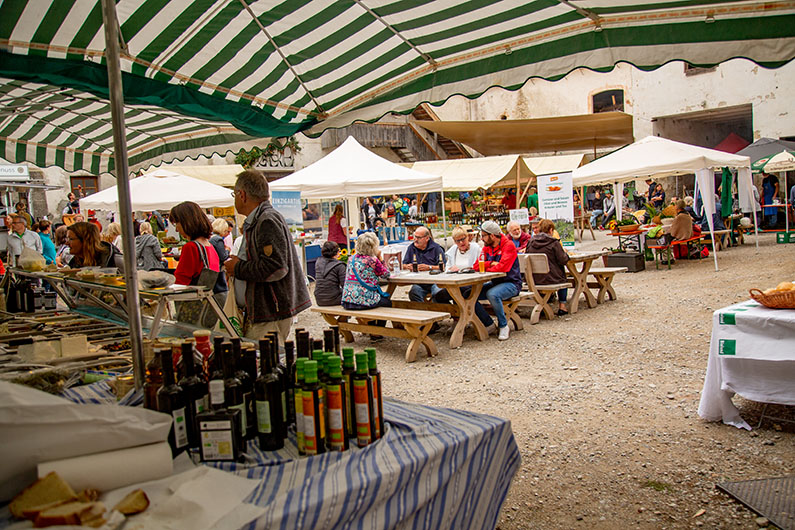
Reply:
x=628 y=228
x=781 y=300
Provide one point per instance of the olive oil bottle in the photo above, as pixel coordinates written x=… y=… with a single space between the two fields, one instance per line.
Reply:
x=363 y=400
x=299 y=404
x=337 y=437
x=314 y=425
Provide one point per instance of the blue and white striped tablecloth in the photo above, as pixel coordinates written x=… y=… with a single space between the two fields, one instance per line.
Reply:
x=434 y=468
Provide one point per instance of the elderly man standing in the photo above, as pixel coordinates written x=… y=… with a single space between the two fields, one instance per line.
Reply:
x=428 y=255
x=500 y=256
x=269 y=283
x=20 y=237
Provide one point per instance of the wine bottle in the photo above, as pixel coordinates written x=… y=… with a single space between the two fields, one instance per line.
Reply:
x=378 y=402
x=248 y=364
x=441 y=261
x=289 y=360
x=348 y=369
x=328 y=340
x=336 y=330
x=314 y=427
x=219 y=427
x=247 y=384
x=363 y=400
x=317 y=344
x=268 y=391
x=233 y=392
x=214 y=367
x=337 y=438
x=299 y=404
x=171 y=401
x=302 y=344
x=153 y=380
x=195 y=391
x=280 y=372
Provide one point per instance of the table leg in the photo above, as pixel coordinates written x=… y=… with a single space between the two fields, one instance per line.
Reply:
x=467 y=315
x=419 y=336
x=580 y=278
x=157 y=320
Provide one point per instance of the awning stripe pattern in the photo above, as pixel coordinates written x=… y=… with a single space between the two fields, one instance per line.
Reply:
x=273 y=68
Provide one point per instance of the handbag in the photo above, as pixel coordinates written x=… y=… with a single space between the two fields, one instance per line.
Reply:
x=376 y=288
x=198 y=312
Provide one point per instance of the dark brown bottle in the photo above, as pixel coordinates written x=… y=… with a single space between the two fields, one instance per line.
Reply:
x=268 y=391
x=233 y=392
x=195 y=392
x=171 y=401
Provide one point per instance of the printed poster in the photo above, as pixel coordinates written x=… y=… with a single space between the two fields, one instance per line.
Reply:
x=556 y=203
x=288 y=203
x=520 y=215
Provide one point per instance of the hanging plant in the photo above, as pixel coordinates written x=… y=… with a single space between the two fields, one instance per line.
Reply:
x=249 y=159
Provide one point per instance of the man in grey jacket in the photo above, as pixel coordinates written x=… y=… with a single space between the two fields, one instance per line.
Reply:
x=269 y=284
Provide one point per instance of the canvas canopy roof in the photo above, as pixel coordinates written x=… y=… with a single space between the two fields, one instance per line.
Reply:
x=467 y=174
x=549 y=165
x=160 y=190
x=654 y=157
x=256 y=69
x=354 y=171
x=221 y=175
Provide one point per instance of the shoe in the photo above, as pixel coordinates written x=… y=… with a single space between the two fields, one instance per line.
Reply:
x=504 y=332
x=562 y=312
x=376 y=338
x=491 y=329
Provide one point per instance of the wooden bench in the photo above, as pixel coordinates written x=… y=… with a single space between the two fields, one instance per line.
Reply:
x=718 y=244
x=538 y=264
x=659 y=249
x=510 y=306
x=604 y=281
x=413 y=324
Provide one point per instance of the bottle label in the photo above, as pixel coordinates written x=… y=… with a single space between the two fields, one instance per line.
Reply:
x=361 y=400
x=199 y=404
x=242 y=409
x=310 y=440
x=376 y=418
x=284 y=407
x=217 y=392
x=216 y=440
x=263 y=417
x=299 y=419
x=321 y=414
x=180 y=428
x=349 y=417
x=335 y=426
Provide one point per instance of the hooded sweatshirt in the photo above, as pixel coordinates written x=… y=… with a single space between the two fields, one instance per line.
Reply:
x=545 y=244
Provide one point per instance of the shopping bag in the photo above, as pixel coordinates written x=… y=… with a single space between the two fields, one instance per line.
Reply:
x=231 y=310
x=30 y=260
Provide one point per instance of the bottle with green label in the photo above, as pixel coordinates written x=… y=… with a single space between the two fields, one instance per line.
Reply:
x=194 y=388
x=337 y=437
x=378 y=402
x=299 y=404
x=171 y=401
x=233 y=392
x=363 y=401
x=268 y=392
x=348 y=369
x=314 y=422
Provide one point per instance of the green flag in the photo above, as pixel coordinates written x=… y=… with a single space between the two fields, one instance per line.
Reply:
x=726 y=194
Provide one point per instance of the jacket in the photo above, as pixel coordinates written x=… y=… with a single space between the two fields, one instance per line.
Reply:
x=148 y=253
x=275 y=284
x=556 y=256
x=218 y=244
x=329 y=279
x=370 y=270
x=48 y=248
x=503 y=258
x=522 y=244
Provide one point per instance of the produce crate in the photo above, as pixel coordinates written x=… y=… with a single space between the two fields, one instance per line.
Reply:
x=783 y=237
x=633 y=261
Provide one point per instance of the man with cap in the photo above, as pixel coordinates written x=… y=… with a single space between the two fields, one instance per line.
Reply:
x=428 y=253
x=500 y=255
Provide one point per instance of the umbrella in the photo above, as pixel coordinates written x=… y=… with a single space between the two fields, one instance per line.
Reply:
x=783 y=161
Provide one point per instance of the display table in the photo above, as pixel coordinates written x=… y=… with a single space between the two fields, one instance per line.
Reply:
x=435 y=468
x=752 y=353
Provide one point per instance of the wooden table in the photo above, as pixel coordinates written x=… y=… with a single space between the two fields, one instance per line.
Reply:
x=464 y=307
x=579 y=277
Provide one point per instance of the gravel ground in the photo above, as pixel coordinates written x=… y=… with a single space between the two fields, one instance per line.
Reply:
x=603 y=404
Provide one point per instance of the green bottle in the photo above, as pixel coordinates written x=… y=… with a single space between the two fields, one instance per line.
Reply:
x=337 y=437
x=363 y=401
x=348 y=369
x=378 y=402
x=314 y=420
x=299 y=404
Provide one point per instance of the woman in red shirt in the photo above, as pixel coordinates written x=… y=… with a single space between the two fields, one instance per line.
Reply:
x=192 y=223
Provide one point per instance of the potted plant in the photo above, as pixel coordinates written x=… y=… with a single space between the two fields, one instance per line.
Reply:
x=628 y=224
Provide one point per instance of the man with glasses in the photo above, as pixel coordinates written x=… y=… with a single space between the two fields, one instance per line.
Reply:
x=500 y=256
x=427 y=253
x=20 y=237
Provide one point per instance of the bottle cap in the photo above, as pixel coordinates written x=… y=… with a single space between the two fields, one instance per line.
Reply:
x=361 y=363
x=347 y=351
x=317 y=355
x=310 y=372
x=371 y=358
x=334 y=367
x=299 y=368
x=202 y=333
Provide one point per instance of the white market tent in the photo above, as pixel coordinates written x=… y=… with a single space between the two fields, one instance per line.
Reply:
x=219 y=174
x=467 y=174
x=160 y=190
x=354 y=171
x=655 y=157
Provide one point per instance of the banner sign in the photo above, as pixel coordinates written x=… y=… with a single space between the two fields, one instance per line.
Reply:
x=288 y=203
x=556 y=203
x=14 y=173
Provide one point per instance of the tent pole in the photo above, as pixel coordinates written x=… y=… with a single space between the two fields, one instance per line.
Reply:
x=347 y=228
x=444 y=220
x=123 y=186
x=786 y=205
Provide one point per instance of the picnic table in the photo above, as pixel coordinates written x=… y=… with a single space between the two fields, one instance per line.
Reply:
x=463 y=307
x=434 y=468
x=751 y=353
x=579 y=277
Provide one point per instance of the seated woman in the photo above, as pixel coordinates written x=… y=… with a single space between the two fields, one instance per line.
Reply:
x=365 y=269
x=544 y=243
x=220 y=231
x=658 y=197
x=147 y=249
x=329 y=275
x=88 y=250
x=462 y=255
x=681 y=229
x=690 y=210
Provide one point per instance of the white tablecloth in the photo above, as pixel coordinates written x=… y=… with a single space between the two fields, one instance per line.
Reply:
x=752 y=353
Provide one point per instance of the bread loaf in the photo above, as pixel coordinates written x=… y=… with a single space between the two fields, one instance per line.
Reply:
x=74 y=513
x=134 y=502
x=50 y=490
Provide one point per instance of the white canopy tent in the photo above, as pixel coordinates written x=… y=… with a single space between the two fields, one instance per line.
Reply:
x=467 y=174
x=160 y=190
x=656 y=157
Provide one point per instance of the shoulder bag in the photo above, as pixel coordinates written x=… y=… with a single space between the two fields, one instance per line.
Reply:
x=198 y=312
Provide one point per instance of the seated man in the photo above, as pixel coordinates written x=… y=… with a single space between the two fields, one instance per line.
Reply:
x=518 y=237
x=500 y=256
x=428 y=254
x=681 y=229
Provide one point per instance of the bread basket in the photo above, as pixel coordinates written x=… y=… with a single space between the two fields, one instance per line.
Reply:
x=779 y=300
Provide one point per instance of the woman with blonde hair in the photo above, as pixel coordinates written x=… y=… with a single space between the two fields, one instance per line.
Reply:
x=365 y=269
x=112 y=234
x=148 y=253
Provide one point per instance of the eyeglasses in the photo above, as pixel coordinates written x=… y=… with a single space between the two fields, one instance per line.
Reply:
x=460 y=240
x=426 y=236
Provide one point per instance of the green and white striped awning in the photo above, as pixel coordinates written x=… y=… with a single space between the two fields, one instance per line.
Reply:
x=202 y=73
